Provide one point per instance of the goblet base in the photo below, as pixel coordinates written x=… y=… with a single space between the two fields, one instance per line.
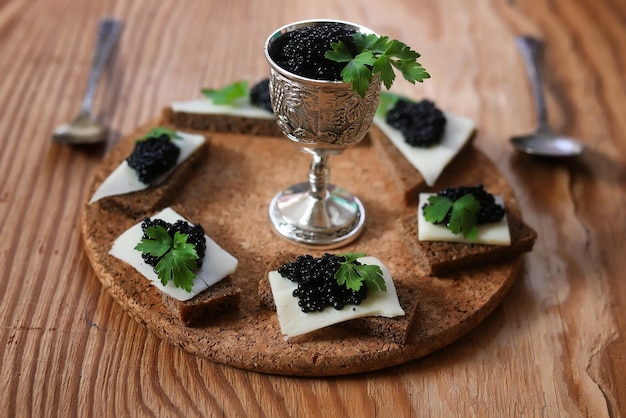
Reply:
x=330 y=222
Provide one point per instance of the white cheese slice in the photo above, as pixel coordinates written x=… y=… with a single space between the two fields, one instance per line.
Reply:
x=216 y=265
x=496 y=233
x=294 y=322
x=206 y=106
x=125 y=180
x=431 y=161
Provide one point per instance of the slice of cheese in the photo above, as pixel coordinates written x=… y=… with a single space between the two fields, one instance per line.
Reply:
x=206 y=106
x=496 y=233
x=294 y=322
x=216 y=265
x=431 y=161
x=125 y=180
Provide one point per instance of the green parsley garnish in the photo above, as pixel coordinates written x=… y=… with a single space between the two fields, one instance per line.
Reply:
x=353 y=276
x=463 y=218
x=158 y=131
x=376 y=55
x=228 y=94
x=178 y=257
x=386 y=103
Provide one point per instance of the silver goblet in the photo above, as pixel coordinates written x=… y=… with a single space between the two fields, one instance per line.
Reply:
x=323 y=118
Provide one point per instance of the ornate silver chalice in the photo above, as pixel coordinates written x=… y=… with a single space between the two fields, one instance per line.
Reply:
x=323 y=118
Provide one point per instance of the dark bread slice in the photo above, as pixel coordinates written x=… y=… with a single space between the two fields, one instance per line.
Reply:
x=440 y=258
x=222 y=297
x=406 y=178
x=392 y=329
x=200 y=123
x=396 y=329
x=154 y=197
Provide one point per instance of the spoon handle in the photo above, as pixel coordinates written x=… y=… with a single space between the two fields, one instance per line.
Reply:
x=531 y=49
x=108 y=32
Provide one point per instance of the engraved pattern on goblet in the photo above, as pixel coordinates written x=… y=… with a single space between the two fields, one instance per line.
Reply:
x=328 y=115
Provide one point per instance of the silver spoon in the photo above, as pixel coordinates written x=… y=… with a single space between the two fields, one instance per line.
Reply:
x=544 y=141
x=85 y=129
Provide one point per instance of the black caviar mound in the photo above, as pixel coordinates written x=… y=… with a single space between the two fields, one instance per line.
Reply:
x=317 y=286
x=260 y=95
x=489 y=211
x=421 y=123
x=195 y=236
x=152 y=157
x=302 y=50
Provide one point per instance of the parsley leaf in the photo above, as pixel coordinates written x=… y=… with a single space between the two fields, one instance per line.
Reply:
x=157 y=244
x=179 y=263
x=386 y=103
x=158 y=131
x=463 y=216
x=353 y=276
x=376 y=55
x=228 y=94
x=179 y=258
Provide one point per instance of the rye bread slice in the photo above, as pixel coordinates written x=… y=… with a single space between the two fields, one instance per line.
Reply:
x=395 y=329
x=202 y=123
x=154 y=197
x=222 y=297
x=441 y=258
x=407 y=179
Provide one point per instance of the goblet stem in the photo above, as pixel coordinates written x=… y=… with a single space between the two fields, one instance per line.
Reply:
x=317 y=213
x=319 y=175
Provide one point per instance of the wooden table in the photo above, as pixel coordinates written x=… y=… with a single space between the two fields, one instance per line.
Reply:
x=555 y=347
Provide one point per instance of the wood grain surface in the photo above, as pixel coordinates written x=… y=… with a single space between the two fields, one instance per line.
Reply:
x=555 y=347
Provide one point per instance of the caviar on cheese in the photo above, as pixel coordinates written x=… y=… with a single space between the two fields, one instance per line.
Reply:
x=422 y=124
x=194 y=235
x=318 y=286
x=447 y=133
x=154 y=155
x=260 y=95
x=294 y=320
x=463 y=214
x=124 y=179
x=488 y=210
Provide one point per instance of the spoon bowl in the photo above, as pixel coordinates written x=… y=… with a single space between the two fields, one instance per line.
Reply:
x=84 y=128
x=548 y=144
x=544 y=142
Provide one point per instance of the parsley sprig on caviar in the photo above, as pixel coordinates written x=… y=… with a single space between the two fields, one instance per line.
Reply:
x=160 y=131
x=463 y=214
x=353 y=276
x=228 y=94
x=178 y=258
x=462 y=209
x=376 y=55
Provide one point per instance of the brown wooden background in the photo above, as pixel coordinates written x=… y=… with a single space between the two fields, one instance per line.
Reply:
x=554 y=348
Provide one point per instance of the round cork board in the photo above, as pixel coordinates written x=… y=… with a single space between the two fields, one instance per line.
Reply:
x=229 y=195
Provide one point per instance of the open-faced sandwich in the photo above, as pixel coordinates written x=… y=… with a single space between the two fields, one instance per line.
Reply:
x=183 y=263
x=465 y=227
x=235 y=108
x=355 y=291
x=150 y=174
x=417 y=141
